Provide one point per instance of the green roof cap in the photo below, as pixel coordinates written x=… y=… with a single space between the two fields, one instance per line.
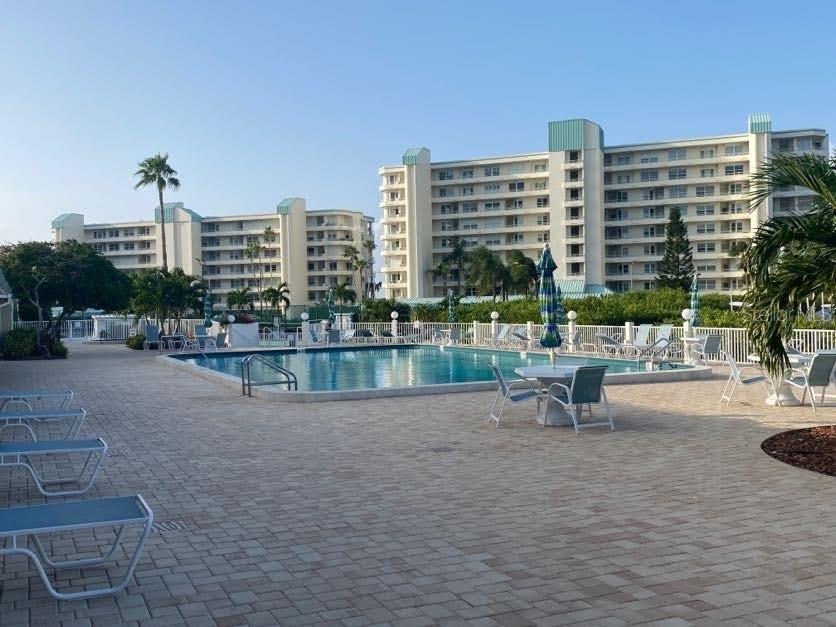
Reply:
x=286 y=205
x=58 y=222
x=415 y=156
x=169 y=208
x=760 y=123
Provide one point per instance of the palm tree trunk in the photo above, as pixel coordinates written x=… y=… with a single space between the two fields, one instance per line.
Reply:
x=162 y=227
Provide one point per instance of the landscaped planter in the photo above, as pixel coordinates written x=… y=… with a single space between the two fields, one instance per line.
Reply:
x=239 y=334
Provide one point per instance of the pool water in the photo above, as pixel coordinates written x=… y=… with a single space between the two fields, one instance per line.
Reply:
x=358 y=368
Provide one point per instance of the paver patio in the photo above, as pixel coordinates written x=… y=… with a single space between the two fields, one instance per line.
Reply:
x=416 y=511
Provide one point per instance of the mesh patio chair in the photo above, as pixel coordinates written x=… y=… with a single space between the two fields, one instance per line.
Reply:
x=514 y=390
x=587 y=388
x=737 y=375
x=818 y=374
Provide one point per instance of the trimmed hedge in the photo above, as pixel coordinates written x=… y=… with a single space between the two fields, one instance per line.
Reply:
x=19 y=343
x=135 y=342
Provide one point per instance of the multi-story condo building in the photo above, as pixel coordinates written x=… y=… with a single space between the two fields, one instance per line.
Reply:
x=304 y=248
x=603 y=208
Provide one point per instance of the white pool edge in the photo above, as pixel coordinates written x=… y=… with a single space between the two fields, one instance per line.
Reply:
x=275 y=393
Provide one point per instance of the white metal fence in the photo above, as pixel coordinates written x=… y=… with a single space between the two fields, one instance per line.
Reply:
x=108 y=328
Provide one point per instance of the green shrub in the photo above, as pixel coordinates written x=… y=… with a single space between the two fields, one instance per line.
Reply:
x=19 y=343
x=59 y=349
x=135 y=342
x=379 y=310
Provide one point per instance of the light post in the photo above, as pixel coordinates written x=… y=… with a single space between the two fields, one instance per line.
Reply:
x=394 y=316
x=306 y=328
x=572 y=315
x=494 y=325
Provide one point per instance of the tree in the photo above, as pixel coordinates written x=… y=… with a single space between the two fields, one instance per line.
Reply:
x=457 y=259
x=278 y=296
x=486 y=271
x=239 y=299
x=344 y=293
x=352 y=254
x=253 y=253
x=790 y=258
x=522 y=272
x=442 y=271
x=156 y=171
x=164 y=295
x=69 y=276
x=369 y=246
x=361 y=265
x=676 y=269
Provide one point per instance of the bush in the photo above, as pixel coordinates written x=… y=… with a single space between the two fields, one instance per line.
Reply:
x=135 y=342
x=59 y=349
x=380 y=310
x=19 y=343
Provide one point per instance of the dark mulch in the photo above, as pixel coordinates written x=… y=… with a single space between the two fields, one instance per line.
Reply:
x=813 y=449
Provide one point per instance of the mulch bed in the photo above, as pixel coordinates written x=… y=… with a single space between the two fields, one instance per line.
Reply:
x=813 y=449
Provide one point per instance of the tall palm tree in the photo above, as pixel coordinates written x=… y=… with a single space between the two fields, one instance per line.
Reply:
x=441 y=270
x=278 y=296
x=457 y=258
x=790 y=258
x=369 y=246
x=352 y=254
x=253 y=252
x=158 y=172
x=361 y=265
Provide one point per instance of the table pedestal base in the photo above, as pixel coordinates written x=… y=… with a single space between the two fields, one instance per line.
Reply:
x=784 y=395
x=557 y=417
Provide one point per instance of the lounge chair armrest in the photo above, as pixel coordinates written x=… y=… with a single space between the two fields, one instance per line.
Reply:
x=517 y=383
x=559 y=385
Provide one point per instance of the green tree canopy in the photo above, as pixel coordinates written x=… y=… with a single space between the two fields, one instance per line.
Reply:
x=166 y=295
x=676 y=269
x=522 y=273
x=486 y=271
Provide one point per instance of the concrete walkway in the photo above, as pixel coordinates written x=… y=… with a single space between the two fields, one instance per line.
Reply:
x=415 y=511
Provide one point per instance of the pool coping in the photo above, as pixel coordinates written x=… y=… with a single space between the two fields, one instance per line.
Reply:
x=276 y=393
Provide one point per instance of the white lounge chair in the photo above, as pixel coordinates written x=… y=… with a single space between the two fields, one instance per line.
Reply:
x=18 y=524
x=21 y=454
x=215 y=343
x=514 y=390
x=62 y=397
x=502 y=335
x=28 y=419
x=737 y=376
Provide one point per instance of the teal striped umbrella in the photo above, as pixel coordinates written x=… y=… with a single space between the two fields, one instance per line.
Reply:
x=550 y=306
x=450 y=317
x=207 y=310
x=695 y=302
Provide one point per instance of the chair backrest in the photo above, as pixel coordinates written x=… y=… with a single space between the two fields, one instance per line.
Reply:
x=313 y=334
x=152 y=333
x=821 y=369
x=386 y=333
x=455 y=333
x=503 y=331
x=334 y=336
x=711 y=344
x=587 y=384
x=220 y=340
x=735 y=369
x=642 y=334
x=502 y=384
x=200 y=331
x=664 y=332
x=575 y=339
x=349 y=335
x=606 y=339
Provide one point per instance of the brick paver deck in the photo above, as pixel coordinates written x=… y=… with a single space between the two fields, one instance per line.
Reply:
x=415 y=511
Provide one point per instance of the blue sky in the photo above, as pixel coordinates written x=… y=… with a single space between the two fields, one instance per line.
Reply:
x=260 y=101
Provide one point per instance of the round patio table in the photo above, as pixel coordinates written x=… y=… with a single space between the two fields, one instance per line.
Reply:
x=546 y=375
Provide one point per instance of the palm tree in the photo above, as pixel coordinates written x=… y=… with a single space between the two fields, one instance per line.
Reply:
x=360 y=265
x=343 y=292
x=790 y=258
x=457 y=258
x=157 y=171
x=369 y=246
x=442 y=270
x=352 y=254
x=278 y=296
x=487 y=271
x=239 y=298
x=253 y=252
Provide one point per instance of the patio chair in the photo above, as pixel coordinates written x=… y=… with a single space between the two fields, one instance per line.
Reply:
x=455 y=335
x=22 y=453
x=28 y=419
x=514 y=390
x=571 y=342
x=737 y=376
x=663 y=338
x=190 y=344
x=502 y=335
x=607 y=346
x=35 y=521
x=817 y=374
x=333 y=337
x=314 y=339
x=26 y=399
x=348 y=336
x=587 y=387
x=215 y=343
x=152 y=336
x=709 y=345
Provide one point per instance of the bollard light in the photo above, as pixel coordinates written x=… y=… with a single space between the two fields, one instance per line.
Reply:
x=687 y=314
x=304 y=316
x=494 y=315
x=572 y=314
x=394 y=315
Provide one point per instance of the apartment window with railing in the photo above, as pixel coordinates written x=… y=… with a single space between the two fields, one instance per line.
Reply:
x=145 y=259
x=145 y=245
x=736 y=227
x=543 y=220
x=618 y=196
x=98 y=234
x=622 y=178
x=444 y=192
x=539 y=167
x=574 y=156
x=649 y=175
x=467 y=174
x=707 y=267
x=128 y=233
x=470 y=207
x=470 y=226
x=649 y=158
x=237 y=239
x=128 y=246
x=677 y=173
x=706 y=247
x=732 y=207
x=540 y=185
x=615 y=215
x=705 y=190
x=445 y=175
x=449 y=208
x=492 y=170
x=112 y=247
x=607 y=159
x=516 y=186
x=734 y=189
x=734 y=149
x=707 y=227
x=649 y=231
x=514 y=204
x=707 y=284
x=622 y=160
x=543 y=201
x=607 y=178
x=706 y=173
x=650 y=249
x=491 y=205
x=650 y=268
x=467 y=191
x=493 y=241
x=652 y=212
x=542 y=237
x=677 y=192
x=734 y=170
x=705 y=210
x=677 y=154
x=707 y=153
x=491 y=187
x=113 y=233
x=99 y=248
x=656 y=193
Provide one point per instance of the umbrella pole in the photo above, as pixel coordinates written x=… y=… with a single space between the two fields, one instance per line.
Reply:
x=551 y=356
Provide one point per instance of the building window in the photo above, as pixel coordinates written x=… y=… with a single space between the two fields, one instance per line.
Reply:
x=467 y=174
x=734 y=170
x=98 y=234
x=650 y=268
x=734 y=149
x=113 y=247
x=709 y=267
x=650 y=231
x=706 y=247
x=650 y=175
x=707 y=284
x=732 y=207
x=652 y=212
x=707 y=153
x=99 y=248
x=514 y=204
x=540 y=185
x=445 y=175
x=735 y=188
x=449 y=207
x=467 y=191
x=542 y=237
x=469 y=207
x=471 y=226
x=113 y=233
x=706 y=173
x=543 y=201
x=492 y=242
x=705 y=210
x=617 y=197
x=128 y=232
x=539 y=167
x=678 y=192
x=543 y=220
x=517 y=186
x=649 y=159
x=622 y=178
x=708 y=227
x=677 y=154
x=128 y=246
x=145 y=259
x=492 y=170
x=445 y=192
x=492 y=187
x=491 y=205
x=650 y=249
x=677 y=173
x=705 y=190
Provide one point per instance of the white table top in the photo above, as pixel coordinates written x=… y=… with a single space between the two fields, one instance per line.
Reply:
x=795 y=360
x=546 y=372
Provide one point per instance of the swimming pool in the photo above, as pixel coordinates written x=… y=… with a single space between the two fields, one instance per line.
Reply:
x=394 y=367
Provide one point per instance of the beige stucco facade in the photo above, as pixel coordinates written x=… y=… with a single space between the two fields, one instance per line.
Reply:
x=603 y=208
x=305 y=248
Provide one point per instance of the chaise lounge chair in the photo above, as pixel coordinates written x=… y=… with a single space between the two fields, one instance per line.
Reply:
x=19 y=523
x=28 y=398
x=27 y=419
x=21 y=454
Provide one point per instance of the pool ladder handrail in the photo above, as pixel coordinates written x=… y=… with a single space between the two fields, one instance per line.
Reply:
x=246 y=375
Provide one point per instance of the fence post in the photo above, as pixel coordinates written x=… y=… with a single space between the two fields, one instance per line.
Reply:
x=494 y=325
x=306 y=329
x=628 y=332
x=572 y=315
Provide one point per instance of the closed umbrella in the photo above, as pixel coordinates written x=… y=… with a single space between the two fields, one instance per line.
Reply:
x=207 y=310
x=450 y=316
x=548 y=302
x=695 y=303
